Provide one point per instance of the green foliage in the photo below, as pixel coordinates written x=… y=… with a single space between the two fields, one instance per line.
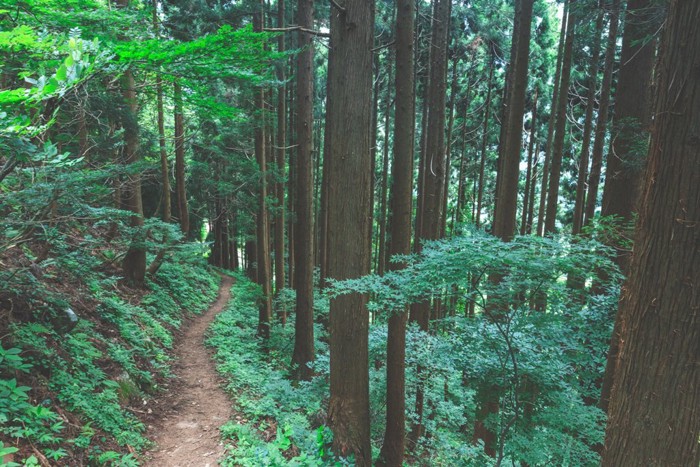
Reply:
x=280 y=421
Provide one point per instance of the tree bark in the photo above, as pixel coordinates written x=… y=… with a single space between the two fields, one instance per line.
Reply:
x=632 y=115
x=180 y=188
x=349 y=219
x=434 y=168
x=654 y=413
x=560 y=126
x=484 y=139
x=550 y=126
x=382 y=256
x=631 y=104
x=304 y=232
x=587 y=127
x=134 y=264
x=400 y=208
x=504 y=225
x=281 y=143
x=262 y=222
x=525 y=225
x=603 y=109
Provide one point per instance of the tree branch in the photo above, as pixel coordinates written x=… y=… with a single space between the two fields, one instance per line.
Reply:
x=298 y=28
x=337 y=5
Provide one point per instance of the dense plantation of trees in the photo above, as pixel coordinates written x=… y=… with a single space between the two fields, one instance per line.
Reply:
x=482 y=218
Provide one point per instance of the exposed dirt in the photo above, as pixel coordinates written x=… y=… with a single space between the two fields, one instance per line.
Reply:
x=186 y=418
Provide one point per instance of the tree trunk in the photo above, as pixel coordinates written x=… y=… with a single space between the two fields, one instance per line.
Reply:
x=550 y=126
x=180 y=188
x=504 y=225
x=602 y=122
x=560 y=126
x=134 y=264
x=631 y=104
x=281 y=142
x=485 y=139
x=304 y=231
x=430 y=198
x=400 y=208
x=654 y=414
x=262 y=223
x=164 y=173
x=587 y=127
x=529 y=181
x=382 y=256
x=349 y=219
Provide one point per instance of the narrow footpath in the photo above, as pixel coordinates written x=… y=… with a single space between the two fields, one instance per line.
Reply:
x=186 y=418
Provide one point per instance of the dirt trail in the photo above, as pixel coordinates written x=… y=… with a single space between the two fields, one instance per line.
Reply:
x=186 y=419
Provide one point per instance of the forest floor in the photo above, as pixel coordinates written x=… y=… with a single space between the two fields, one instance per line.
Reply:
x=185 y=419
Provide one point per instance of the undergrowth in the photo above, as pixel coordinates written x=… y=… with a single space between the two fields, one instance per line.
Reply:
x=540 y=359
x=68 y=389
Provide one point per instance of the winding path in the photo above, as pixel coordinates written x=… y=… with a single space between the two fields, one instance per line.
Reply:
x=186 y=419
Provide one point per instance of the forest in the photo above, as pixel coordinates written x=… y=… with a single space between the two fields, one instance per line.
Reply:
x=350 y=233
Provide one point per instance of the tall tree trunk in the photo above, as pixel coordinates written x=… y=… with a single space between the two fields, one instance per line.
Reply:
x=430 y=199
x=304 y=232
x=382 y=256
x=550 y=125
x=281 y=142
x=587 y=126
x=262 y=223
x=504 y=225
x=400 y=208
x=560 y=125
x=180 y=188
x=164 y=173
x=654 y=412
x=291 y=190
x=603 y=109
x=529 y=181
x=349 y=220
x=632 y=114
x=134 y=264
x=448 y=146
x=434 y=168
x=505 y=216
x=622 y=171
x=485 y=138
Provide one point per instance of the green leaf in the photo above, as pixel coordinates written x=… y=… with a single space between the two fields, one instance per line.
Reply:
x=61 y=73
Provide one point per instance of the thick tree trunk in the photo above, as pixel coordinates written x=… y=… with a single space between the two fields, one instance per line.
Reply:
x=304 y=232
x=560 y=126
x=180 y=188
x=504 y=225
x=622 y=170
x=654 y=413
x=603 y=109
x=349 y=219
x=400 y=208
x=134 y=264
x=632 y=104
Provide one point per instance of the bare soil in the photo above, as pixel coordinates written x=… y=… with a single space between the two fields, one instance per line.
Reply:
x=185 y=419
